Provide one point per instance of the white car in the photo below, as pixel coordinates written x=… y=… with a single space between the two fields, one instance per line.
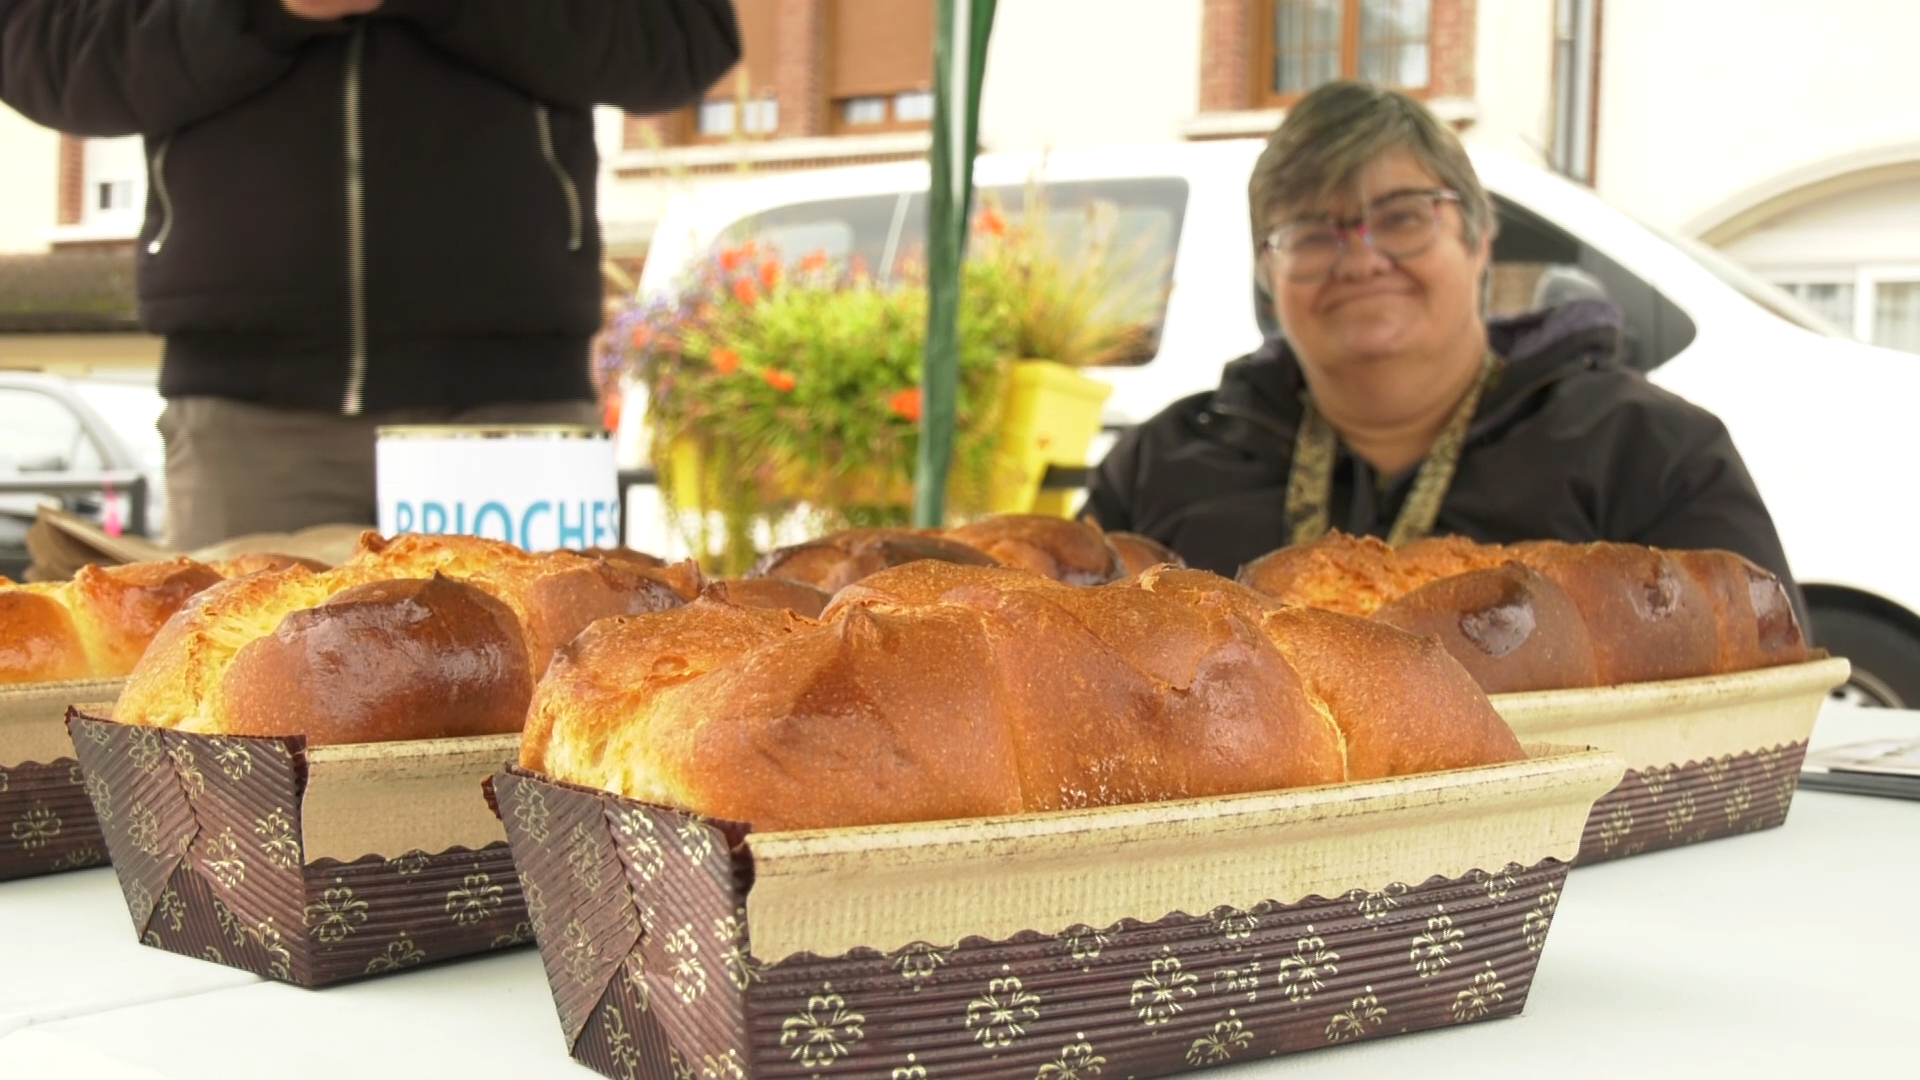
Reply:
x=1824 y=423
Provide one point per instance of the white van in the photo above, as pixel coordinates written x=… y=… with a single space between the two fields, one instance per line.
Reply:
x=1825 y=424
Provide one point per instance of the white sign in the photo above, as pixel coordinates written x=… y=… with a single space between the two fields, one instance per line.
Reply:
x=540 y=488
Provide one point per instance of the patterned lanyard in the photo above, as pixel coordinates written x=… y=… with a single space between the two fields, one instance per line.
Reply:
x=1310 y=483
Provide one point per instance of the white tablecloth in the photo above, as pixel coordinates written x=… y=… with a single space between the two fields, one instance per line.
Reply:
x=1792 y=952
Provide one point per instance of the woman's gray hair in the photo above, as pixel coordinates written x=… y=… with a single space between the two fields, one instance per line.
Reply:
x=1335 y=131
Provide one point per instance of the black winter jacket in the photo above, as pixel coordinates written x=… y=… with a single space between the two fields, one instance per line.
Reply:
x=388 y=211
x=1567 y=446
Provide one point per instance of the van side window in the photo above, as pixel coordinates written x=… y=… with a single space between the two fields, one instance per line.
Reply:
x=1136 y=222
x=1527 y=250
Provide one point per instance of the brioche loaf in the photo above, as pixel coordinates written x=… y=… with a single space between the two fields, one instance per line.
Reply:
x=1138 y=553
x=403 y=659
x=837 y=560
x=768 y=592
x=937 y=690
x=110 y=615
x=1516 y=615
x=1066 y=551
x=1511 y=627
x=415 y=637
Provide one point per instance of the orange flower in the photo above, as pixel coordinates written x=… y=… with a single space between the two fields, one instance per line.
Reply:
x=814 y=263
x=642 y=334
x=725 y=361
x=990 y=222
x=731 y=258
x=743 y=289
x=769 y=274
x=905 y=404
x=782 y=381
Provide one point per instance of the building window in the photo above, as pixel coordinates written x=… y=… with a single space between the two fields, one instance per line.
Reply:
x=746 y=116
x=1303 y=43
x=895 y=111
x=114 y=195
x=1877 y=305
x=881 y=65
x=743 y=102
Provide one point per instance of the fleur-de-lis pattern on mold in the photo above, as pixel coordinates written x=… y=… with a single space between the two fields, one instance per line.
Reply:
x=139 y=903
x=1002 y=1014
x=1303 y=974
x=1498 y=884
x=279 y=958
x=917 y=962
x=1234 y=924
x=401 y=953
x=1680 y=815
x=1161 y=994
x=722 y=1066
x=1539 y=920
x=688 y=974
x=1244 y=979
x=1657 y=778
x=1084 y=943
x=231 y=928
x=583 y=855
x=335 y=915
x=1480 y=997
x=521 y=934
x=1715 y=769
x=98 y=793
x=6 y=780
x=232 y=758
x=530 y=811
x=682 y=1068
x=644 y=851
x=171 y=908
x=36 y=828
x=626 y=1057
x=912 y=1070
x=187 y=768
x=1364 y=1015
x=536 y=904
x=477 y=898
x=1618 y=824
x=277 y=839
x=1374 y=905
x=823 y=1032
x=409 y=863
x=731 y=933
x=696 y=839
x=1077 y=1061
x=222 y=860
x=1435 y=949
x=1739 y=801
x=143 y=748
x=578 y=952
x=1229 y=1037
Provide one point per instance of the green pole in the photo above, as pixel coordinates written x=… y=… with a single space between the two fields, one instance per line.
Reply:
x=959 y=66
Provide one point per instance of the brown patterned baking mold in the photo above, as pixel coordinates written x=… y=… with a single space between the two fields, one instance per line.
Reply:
x=648 y=922
x=222 y=854
x=46 y=822
x=1706 y=758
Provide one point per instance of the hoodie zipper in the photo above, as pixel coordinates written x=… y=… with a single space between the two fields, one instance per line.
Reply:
x=166 y=198
x=543 y=121
x=356 y=231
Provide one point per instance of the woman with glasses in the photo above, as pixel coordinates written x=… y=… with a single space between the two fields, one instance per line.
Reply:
x=1389 y=406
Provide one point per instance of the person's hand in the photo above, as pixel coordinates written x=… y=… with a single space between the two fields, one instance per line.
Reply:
x=329 y=10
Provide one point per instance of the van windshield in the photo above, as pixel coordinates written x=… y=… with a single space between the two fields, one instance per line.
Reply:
x=1136 y=221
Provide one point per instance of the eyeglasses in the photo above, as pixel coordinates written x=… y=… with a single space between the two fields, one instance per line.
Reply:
x=1399 y=226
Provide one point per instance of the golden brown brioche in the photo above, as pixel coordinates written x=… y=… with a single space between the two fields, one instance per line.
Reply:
x=625 y=555
x=1404 y=705
x=1066 y=551
x=1138 y=553
x=1511 y=627
x=773 y=593
x=174 y=681
x=1648 y=619
x=119 y=609
x=1352 y=575
x=985 y=700
x=602 y=686
x=1203 y=588
x=254 y=562
x=1757 y=626
x=414 y=658
x=837 y=560
x=1432 y=558
x=38 y=641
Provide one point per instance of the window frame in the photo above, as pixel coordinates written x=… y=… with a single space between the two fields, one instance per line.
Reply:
x=837 y=116
x=1866 y=280
x=1263 y=14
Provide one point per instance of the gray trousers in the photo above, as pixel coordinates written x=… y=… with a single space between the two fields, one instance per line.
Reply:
x=235 y=468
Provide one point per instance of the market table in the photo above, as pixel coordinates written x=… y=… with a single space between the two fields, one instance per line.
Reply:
x=1788 y=952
